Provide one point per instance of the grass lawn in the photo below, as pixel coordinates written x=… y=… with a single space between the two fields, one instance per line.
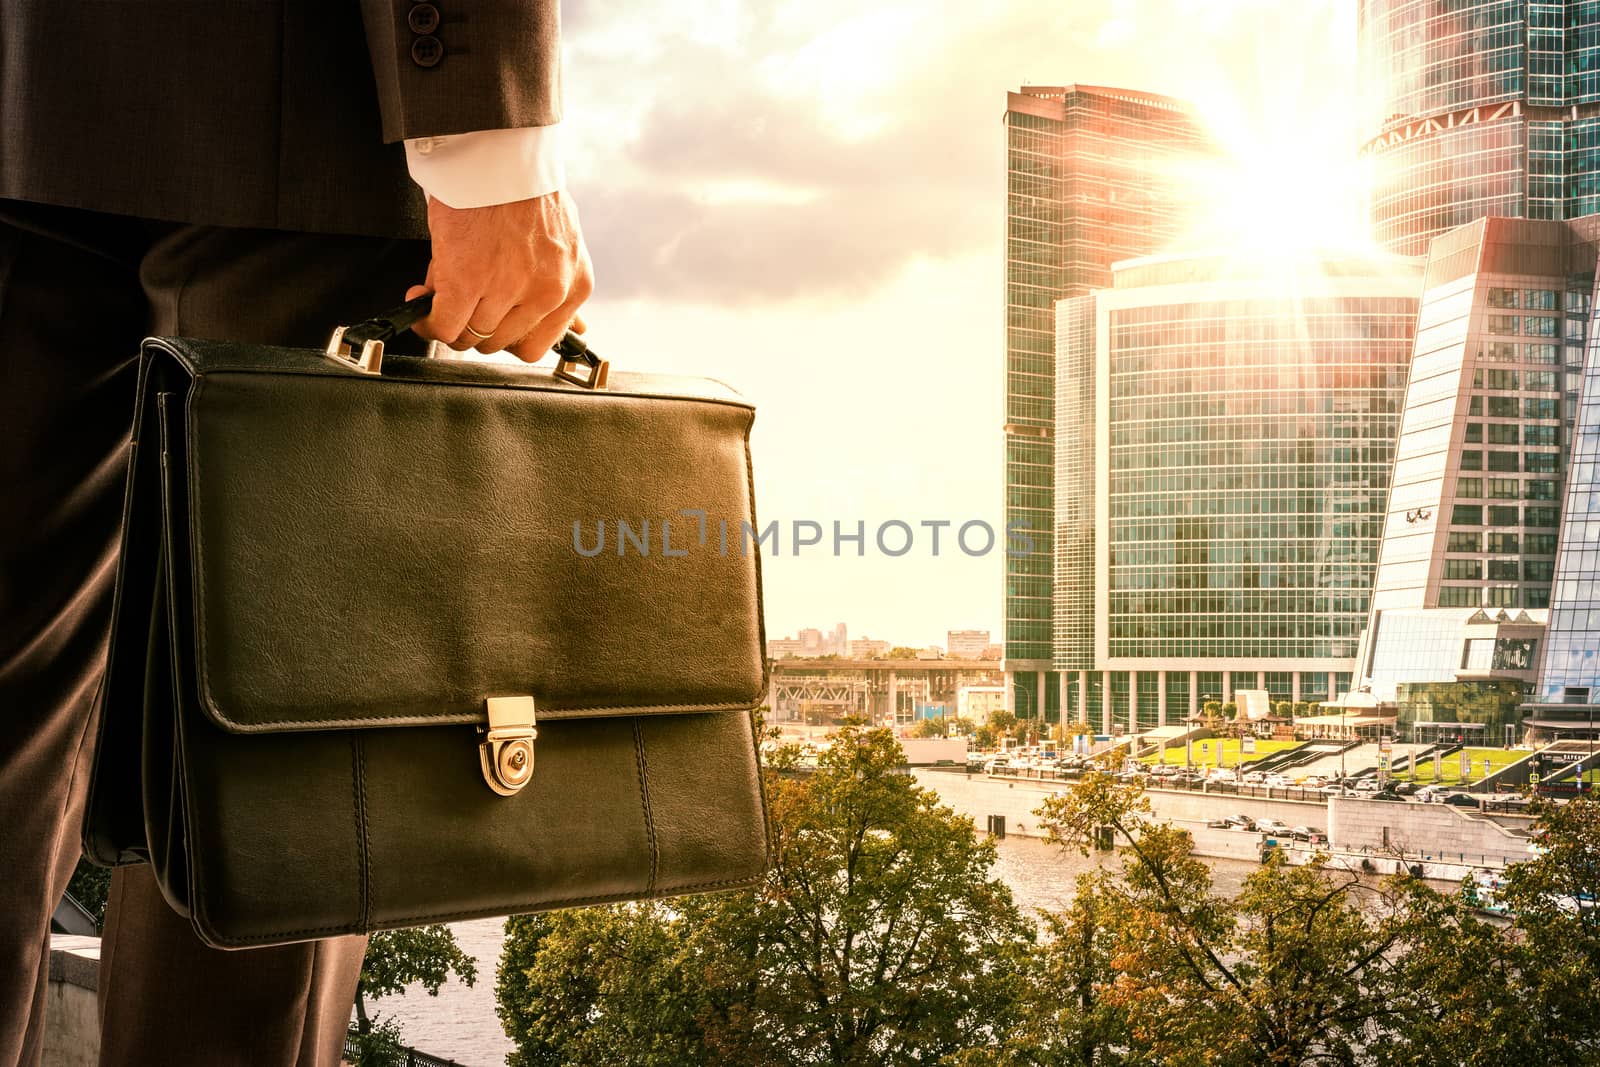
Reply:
x=1207 y=754
x=1449 y=769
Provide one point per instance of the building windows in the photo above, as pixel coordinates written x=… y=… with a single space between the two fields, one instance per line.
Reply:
x=1540 y=300
x=1503 y=461
x=1541 y=544
x=1502 y=433
x=1501 y=515
x=1544 y=381
x=1503 y=489
x=1503 y=543
x=1464 y=541
x=1505 y=298
x=1500 y=352
x=1503 y=379
x=1540 y=517
x=1539 y=489
x=1466 y=515
x=1469 y=487
x=1538 y=570
x=1501 y=407
x=1548 y=355
x=1540 y=435
x=1503 y=596
x=1464 y=570
x=1542 y=462
x=1472 y=460
x=1502 y=570
x=1474 y=433
x=1539 y=326
x=1503 y=325
x=1458 y=596
x=1535 y=408
x=1475 y=405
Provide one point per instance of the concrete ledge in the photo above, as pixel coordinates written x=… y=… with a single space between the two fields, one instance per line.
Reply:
x=75 y=961
x=72 y=1013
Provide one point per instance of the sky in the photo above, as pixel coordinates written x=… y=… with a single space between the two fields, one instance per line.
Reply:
x=806 y=199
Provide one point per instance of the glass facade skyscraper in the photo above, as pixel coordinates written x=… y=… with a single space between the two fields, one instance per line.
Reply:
x=1571 y=669
x=1479 y=107
x=1094 y=175
x=1245 y=413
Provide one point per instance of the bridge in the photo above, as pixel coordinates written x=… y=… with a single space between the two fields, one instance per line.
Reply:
x=806 y=690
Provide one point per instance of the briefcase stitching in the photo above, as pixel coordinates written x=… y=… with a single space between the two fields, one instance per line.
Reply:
x=358 y=776
x=644 y=799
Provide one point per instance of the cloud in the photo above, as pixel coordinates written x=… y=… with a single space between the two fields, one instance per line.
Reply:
x=858 y=183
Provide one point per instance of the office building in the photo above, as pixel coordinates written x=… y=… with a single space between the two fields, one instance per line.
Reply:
x=1094 y=175
x=967 y=644
x=1242 y=411
x=1474 y=531
x=1479 y=107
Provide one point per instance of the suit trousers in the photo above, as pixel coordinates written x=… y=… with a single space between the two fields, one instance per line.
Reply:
x=78 y=290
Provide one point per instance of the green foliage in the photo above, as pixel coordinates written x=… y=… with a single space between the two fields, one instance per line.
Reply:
x=929 y=728
x=878 y=937
x=425 y=955
x=380 y=1046
x=90 y=886
x=1002 y=721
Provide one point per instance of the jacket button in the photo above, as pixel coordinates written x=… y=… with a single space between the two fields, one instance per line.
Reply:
x=424 y=18
x=427 y=51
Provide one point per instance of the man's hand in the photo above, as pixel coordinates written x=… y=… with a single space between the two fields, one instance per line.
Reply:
x=510 y=276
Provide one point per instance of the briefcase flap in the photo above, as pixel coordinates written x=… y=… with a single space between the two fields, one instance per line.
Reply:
x=395 y=550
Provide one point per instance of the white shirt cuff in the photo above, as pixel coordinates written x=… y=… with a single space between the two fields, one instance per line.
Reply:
x=487 y=167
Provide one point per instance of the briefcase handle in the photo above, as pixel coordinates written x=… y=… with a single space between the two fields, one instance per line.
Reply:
x=361 y=346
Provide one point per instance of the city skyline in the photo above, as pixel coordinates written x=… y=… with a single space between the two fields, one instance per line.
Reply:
x=871 y=347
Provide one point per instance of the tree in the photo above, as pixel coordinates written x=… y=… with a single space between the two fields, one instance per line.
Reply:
x=903 y=652
x=1299 y=970
x=1002 y=721
x=929 y=728
x=878 y=937
x=426 y=955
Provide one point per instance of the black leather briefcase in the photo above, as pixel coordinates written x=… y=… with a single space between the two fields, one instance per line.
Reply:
x=404 y=640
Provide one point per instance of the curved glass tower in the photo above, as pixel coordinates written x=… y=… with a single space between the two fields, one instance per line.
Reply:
x=1479 y=107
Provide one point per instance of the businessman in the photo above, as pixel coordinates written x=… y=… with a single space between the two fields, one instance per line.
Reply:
x=260 y=172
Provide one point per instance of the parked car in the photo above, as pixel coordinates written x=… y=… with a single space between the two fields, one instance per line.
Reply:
x=1404 y=789
x=1241 y=822
x=1254 y=777
x=1311 y=781
x=1461 y=800
x=1277 y=781
x=1313 y=834
x=1365 y=785
x=1274 y=827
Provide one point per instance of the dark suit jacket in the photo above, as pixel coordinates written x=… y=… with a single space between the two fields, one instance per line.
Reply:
x=282 y=114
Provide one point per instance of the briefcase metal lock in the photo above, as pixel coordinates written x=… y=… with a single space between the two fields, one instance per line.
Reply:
x=506 y=752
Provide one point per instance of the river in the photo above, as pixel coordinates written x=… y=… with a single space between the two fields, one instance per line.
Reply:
x=460 y=1023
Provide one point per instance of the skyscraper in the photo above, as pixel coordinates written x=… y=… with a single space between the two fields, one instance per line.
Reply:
x=1094 y=175
x=1482 y=467
x=1244 y=411
x=1479 y=107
